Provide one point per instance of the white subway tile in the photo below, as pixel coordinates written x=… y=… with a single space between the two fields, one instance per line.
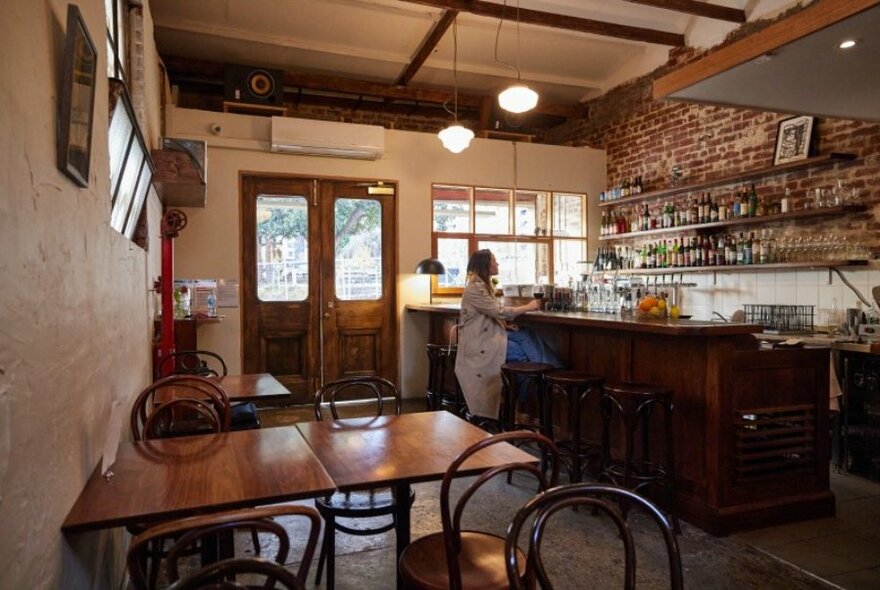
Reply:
x=765 y=278
x=786 y=277
x=765 y=294
x=786 y=294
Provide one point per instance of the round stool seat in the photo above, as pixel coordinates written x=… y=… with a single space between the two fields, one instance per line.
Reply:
x=573 y=378
x=443 y=391
x=525 y=368
x=638 y=389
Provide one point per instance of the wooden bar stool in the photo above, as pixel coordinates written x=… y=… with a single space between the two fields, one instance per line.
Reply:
x=575 y=387
x=524 y=375
x=443 y=392
x=635 y=402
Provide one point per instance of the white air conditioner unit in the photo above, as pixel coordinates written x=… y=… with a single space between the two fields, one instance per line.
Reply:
x=326 y=138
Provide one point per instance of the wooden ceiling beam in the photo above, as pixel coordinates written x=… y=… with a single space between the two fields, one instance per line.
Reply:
x=734 y=15
x=427 y=47
x=213 y=70
x=558 y=21
x=814 y=17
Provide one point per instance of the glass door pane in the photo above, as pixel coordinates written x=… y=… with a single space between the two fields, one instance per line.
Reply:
x=358 y=252
x=282 y=248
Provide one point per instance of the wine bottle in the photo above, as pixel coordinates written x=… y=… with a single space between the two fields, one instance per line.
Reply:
x=753 y=202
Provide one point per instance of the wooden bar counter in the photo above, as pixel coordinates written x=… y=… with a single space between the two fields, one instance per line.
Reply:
x=750 y=425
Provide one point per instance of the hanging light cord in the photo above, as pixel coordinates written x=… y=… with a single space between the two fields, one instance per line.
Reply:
x=514 y=67
x=454 y=71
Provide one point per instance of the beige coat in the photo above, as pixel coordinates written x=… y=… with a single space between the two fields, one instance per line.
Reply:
x=482 y=348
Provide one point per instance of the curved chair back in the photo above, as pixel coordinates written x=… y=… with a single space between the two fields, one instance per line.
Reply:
x=452 y=516
x=606 y=499
x=189 y=531
x=359 y=390
x=186 y=387
x=220 y=576
x=192 y=362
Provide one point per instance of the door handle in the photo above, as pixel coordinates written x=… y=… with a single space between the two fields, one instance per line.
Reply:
x=327 y=315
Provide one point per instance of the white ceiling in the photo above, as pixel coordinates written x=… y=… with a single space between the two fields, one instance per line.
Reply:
x=374 y=40
x=811 y=75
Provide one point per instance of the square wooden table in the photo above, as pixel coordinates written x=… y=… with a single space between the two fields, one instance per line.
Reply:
x=250 y=387
x=398 y=451
x=176 y=477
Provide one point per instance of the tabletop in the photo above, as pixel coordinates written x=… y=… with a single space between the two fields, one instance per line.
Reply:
x=410 y=448
x=239 y=388
x=178 y=477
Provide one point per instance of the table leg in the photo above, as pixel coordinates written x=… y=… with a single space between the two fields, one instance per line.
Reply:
x=402 y=523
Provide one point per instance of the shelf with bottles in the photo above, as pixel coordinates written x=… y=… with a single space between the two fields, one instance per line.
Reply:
x=734 y=222
x=743 y=267
x=738 y=178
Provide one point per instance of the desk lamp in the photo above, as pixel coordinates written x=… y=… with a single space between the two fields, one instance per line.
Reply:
x=430 y=266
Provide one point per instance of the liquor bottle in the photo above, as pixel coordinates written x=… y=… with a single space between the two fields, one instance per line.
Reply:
x=753 y=202
x=721 y=251
x=737 y=211
x=758 y=250
x=624 y=189
x=639 y=186
x=722 y=210
x=786 y=201
x=686 y=261
x=652 y=256
x=762 y=206
x=713 y=210
x=740 y=250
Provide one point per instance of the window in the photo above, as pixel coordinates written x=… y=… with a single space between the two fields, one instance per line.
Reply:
x=282 y=248
x=535 y=235
x=131 y=168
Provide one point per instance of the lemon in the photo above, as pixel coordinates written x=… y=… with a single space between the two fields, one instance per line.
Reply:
x=661 y=304
x=674 y=312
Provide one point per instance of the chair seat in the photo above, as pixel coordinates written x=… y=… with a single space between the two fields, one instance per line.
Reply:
x=423 y=562
x=638 y=389
x=527 y=367
x=360 y=503
x=573 y=378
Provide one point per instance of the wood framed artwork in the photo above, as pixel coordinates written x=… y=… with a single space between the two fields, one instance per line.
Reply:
x=77 y=99
x=793 y=140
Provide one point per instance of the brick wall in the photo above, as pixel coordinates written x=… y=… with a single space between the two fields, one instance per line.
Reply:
x=648 y=137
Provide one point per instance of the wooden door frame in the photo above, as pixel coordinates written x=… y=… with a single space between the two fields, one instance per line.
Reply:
x=394 y=238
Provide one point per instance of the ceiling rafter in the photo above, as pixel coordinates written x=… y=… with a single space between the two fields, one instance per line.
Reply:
x=558 y=21
x=215 y=70
x=427 y=47
x=705 y=9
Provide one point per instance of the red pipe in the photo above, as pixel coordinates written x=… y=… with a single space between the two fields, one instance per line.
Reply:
x=166 y=345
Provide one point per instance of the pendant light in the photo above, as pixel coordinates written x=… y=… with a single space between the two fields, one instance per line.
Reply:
x=456 y=138
x=517 y=98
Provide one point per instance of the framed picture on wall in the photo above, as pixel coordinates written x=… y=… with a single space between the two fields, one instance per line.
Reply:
x=76 y=100
x=793 y=140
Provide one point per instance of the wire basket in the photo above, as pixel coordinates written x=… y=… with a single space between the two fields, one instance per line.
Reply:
x=781 y=319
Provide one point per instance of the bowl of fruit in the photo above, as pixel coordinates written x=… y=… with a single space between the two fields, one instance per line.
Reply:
x=651 y=307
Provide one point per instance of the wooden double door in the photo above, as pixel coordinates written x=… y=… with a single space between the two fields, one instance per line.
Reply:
x=318 y=280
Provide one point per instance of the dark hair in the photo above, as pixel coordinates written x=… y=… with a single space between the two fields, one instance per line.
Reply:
x=478 y=266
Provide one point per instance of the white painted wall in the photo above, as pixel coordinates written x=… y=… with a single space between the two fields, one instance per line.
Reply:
x=209 y=246
x=74 y=309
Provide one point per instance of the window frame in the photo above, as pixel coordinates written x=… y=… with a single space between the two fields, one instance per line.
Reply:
x=473 y=238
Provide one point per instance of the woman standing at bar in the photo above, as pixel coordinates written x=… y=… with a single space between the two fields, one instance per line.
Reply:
x=486 y=339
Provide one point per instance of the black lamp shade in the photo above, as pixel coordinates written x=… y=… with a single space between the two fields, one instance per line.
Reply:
x=430 y=266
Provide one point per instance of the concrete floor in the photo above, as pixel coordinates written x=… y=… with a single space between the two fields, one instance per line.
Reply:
x=583 y=552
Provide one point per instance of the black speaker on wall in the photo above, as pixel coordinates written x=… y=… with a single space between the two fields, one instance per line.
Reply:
x=254 y=85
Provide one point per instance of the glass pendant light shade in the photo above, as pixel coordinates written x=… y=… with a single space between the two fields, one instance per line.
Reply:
x=518 y=98
x=456 y=138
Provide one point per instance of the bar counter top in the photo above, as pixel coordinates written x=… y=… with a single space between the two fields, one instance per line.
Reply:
x=629 y=323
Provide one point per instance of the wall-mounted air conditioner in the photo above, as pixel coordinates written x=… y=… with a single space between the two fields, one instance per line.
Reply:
x=326 y=138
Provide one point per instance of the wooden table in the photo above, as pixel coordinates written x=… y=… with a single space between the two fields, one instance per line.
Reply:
x=240 y=388
x=398 y=451
x=177 y=477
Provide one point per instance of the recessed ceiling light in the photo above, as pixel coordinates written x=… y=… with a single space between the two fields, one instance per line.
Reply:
x=847 y=44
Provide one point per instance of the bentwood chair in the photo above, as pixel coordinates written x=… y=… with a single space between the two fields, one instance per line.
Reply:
x=203 y=397
x=462 y=559
x=343 y=397
x=200 y=406
x=606 y=500
x=192 y=362
x=221 y=575
x=205 y=363
x=191 y=531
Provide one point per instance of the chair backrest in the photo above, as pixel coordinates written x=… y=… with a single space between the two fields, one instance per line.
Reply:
x=606 y=499
x=220 y=576
x=192 y=362
x=452 y=516
x=189 y=531
x=186 y=387
x=362 y=391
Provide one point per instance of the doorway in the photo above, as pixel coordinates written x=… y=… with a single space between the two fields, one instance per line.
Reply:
x=318 y=280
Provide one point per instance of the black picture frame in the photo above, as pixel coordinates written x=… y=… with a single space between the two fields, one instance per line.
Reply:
x=76 y=99
x=794 y=139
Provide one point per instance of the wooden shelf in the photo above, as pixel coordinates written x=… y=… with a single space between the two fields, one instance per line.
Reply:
x=766 y=172
x=741 y=221
x=740 y=267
